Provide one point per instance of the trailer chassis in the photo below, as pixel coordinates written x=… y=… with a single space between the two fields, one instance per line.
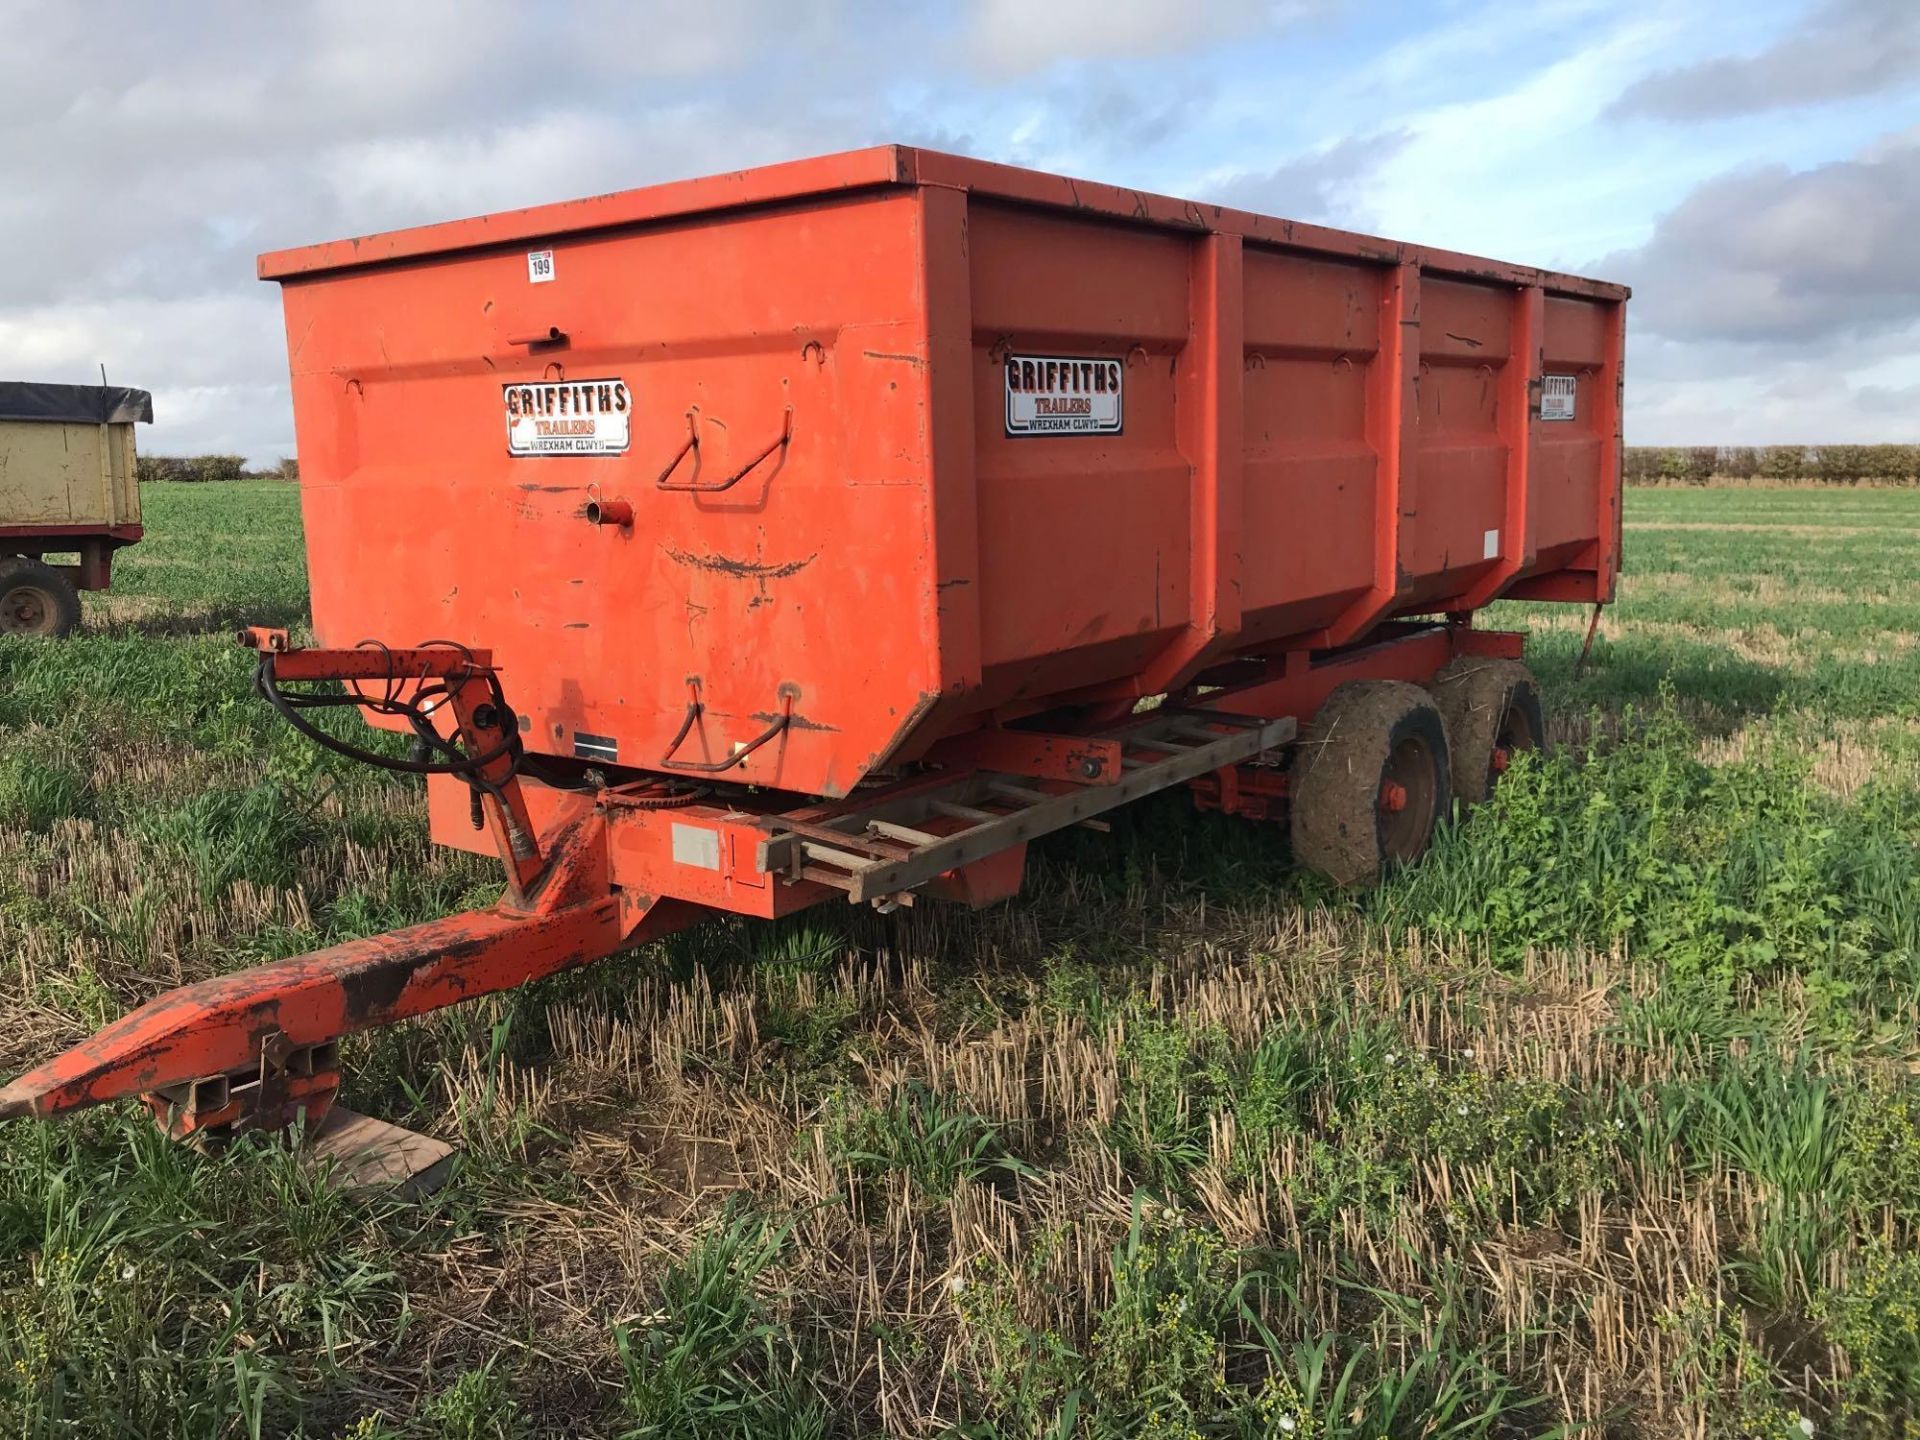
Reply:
x=593 y=871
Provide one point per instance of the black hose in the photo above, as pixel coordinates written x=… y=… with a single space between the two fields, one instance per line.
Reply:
x=415 y=710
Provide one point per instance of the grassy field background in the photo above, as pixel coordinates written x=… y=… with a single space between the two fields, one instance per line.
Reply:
x=1602 y=1120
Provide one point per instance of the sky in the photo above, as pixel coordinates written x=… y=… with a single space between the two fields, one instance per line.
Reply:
x=1750 y=167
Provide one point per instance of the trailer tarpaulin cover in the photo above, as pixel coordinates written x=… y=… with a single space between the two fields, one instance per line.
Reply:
x=74 y=404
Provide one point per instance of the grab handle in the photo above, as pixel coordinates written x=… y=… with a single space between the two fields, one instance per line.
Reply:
x=664 y=480
x=714 y=767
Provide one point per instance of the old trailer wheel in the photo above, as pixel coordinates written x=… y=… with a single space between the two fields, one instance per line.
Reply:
x=1369 y=781
x=36 y=599
x=1492 y=709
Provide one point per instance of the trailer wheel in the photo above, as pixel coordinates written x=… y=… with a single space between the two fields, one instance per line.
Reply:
x=36 y=599
x=1369 y=781
x=1492 y=709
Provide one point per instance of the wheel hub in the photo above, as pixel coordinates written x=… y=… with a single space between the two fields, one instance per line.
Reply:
x=1516 y=733
x=25 y=611
x=1408 y=800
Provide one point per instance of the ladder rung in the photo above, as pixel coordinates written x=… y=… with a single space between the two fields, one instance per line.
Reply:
x=878 y=846
x=961 y=812
x=1216 y=717
x=814 y=850
x=1194 y=730
x=1019 y=792
x=904 y=833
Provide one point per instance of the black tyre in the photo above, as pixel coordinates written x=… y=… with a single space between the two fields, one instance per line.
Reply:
x=1369 y=781
x=1492 y=709
x=36 y=599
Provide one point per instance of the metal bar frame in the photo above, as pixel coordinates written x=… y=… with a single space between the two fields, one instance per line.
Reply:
x=1039 y=813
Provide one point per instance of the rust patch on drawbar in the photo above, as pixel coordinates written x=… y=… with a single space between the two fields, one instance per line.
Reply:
x=370 y=995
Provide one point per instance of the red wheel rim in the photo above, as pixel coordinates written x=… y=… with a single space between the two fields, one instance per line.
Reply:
x=1516 y=733
x=1408 y=799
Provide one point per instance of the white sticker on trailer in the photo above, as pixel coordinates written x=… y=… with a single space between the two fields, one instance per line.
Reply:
x=568 y=417
x=1490 y=545
x=539 y=266
x=1064 y=395
x=695 y=845
x=1557 y=394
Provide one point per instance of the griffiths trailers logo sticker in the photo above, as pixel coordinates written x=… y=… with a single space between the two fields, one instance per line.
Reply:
x=1558 y=396
x=1063 y=395
x=568 y=417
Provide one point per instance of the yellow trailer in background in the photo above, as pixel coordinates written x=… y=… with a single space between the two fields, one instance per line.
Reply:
x=67 y=487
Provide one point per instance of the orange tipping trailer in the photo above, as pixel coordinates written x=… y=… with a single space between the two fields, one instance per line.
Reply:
x=817 y=531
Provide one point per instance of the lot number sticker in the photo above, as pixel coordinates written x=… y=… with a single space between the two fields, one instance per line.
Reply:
x=1556 y=396
x=1064 y=395
x=539 y=266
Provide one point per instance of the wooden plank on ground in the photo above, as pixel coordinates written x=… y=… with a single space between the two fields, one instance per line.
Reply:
x=370 y=1154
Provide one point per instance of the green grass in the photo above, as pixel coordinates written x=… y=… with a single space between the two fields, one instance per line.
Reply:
x=1807 y=615
x=713 y=1362
x=1604 y=1120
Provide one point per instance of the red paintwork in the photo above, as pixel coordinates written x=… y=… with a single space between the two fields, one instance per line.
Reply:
x=1321 y=431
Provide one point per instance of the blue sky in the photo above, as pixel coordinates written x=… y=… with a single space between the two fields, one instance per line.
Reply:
x=1753 y=169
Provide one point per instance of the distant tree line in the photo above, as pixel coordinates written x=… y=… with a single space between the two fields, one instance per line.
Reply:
x=204 y=469
x=1645 y=465
x=1828 y=464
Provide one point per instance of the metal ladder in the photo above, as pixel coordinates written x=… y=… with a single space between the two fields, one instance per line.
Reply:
x=897 y=840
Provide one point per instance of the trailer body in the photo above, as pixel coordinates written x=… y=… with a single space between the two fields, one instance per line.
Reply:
x=905 y=443
x=67 y=486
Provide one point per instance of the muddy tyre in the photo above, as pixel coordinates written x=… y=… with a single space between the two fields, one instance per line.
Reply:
x=1369 y=781
x=36 y=599
x=1492 y=709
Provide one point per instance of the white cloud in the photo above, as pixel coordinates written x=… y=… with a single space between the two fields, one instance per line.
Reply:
x=1840 y=50
x=1016 y=37
x=216 y=364
x=427 y=177
x=1523 y=169
x=1774 y=255
x=1810 y=401
x=1323 y=185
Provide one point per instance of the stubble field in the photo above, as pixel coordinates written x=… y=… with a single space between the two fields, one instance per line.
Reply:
x=1602 y=1120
